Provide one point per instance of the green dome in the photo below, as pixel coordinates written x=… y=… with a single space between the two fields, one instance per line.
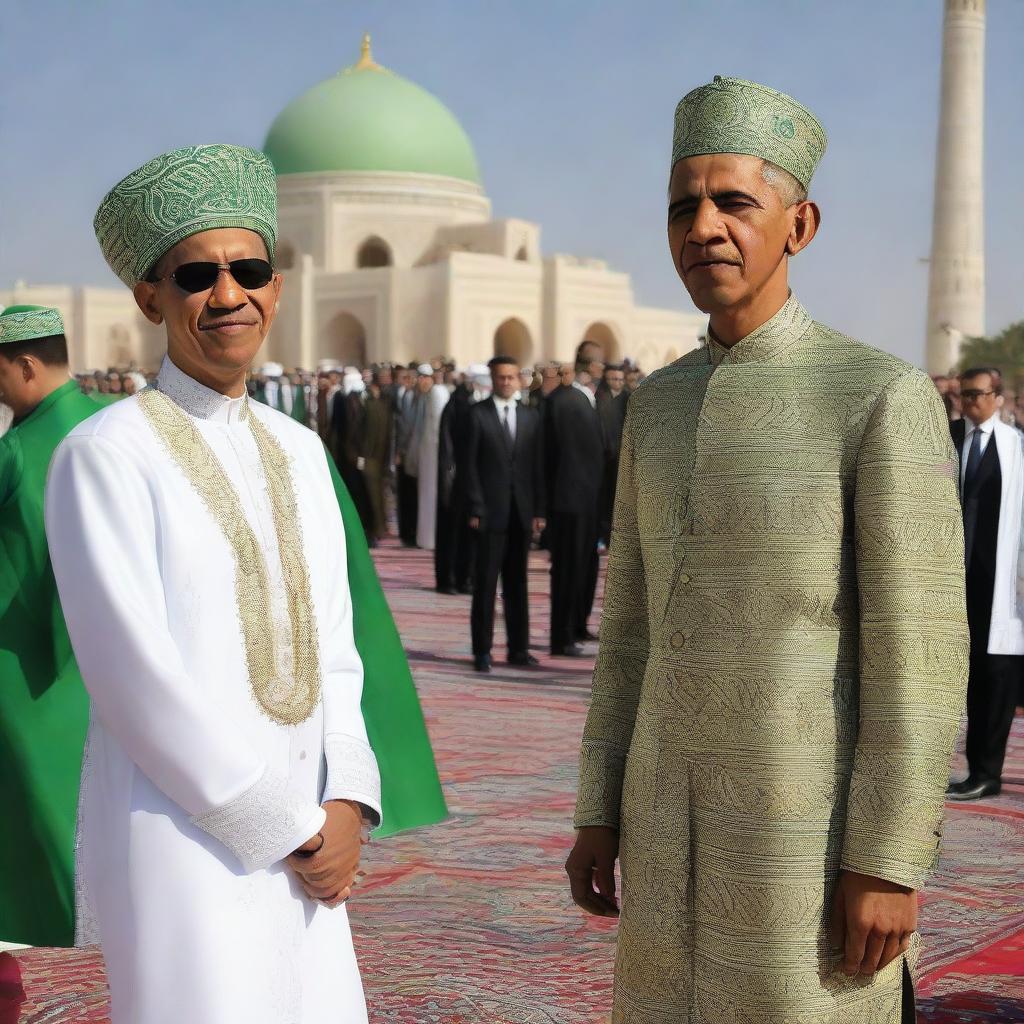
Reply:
x=367 y=118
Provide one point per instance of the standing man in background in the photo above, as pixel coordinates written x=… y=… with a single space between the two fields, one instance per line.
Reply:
x=505 y=486
x=574 y=465
x=992 y=497
x=611 y=407
x=44 y=709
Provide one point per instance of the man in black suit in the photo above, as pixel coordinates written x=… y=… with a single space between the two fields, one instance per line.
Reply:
x=453 y=557
x=505 y=487
x=575 y=465
x=611 y=409
x=991 y=468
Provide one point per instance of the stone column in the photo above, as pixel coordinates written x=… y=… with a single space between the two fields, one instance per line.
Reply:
x=956 y=284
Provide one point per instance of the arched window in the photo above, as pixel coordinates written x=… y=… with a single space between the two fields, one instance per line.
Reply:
x=523 y=256
x=604 y=338
x=512 y=338
x=343 y=338
x=374 y=252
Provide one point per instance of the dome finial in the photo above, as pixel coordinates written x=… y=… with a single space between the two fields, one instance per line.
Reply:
x=366 y=61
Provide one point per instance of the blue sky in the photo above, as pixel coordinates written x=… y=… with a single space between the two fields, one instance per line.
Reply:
x=568 y=102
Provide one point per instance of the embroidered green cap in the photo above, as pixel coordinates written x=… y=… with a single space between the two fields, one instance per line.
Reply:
x=26 y=323
x=731 y=115
x=181 y=193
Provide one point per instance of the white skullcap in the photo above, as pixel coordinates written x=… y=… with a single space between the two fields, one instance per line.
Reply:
x=425 y=370
x=272 y=370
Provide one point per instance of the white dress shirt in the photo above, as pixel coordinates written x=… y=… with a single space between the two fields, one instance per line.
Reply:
x=591 y=397
x=986 y=429
x=506 y=407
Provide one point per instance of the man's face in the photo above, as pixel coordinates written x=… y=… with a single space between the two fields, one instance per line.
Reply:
x=505 y=379
x=115 y=385
x=217 y=331
x=424 y=382
x=616 y=381
x=384 y=378
x=590 y=352
x=728 y=229
x=978 y=399
x=596 y=369
x=15 y=389
x=567 y=373
x=632 y=379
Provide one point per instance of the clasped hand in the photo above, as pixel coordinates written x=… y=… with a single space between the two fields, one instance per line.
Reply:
x=329 y=875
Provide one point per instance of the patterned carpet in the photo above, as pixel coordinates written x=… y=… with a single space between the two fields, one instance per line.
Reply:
x=470 y=922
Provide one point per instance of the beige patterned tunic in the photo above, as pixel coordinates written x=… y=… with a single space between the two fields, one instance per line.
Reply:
x=781 y=672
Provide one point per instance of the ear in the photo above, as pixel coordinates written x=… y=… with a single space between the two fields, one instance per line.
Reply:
x=806 y=220
x=270 y=314
x=146 y=300
x=27 y=367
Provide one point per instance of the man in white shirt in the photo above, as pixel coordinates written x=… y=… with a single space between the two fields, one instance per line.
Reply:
x=991 y=493
x=199 y=553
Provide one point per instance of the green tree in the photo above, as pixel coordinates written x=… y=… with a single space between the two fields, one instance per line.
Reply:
x=1005 y=351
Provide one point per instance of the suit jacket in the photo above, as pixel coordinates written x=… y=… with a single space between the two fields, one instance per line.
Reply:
x=992 y=510
x=574 y=452
x=499 y=477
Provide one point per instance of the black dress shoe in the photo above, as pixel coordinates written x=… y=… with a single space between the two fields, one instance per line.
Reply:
x=464 y=588
x=568 y=651
x=973 y=789
x=482 y=662
x=522 y=658
x=585 y=635
x=447 y=590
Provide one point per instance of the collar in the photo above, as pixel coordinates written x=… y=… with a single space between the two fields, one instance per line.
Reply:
x=502 y=402
x=590 y=394
x=197 y=399
x=773 y=337
x=986 y=428
x=48 y=402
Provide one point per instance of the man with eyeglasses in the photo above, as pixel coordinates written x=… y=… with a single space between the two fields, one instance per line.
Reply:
x=782 y=660
x=992 y=497
x=43 y=706
x=199 y=551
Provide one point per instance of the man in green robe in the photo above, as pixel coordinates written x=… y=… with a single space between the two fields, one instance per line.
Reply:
x=43 y=705
x=782 y=664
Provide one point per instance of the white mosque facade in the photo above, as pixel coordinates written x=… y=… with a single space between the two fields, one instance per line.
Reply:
x=390 y=254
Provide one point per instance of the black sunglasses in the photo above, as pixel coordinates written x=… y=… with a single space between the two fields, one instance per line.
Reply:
x=198 y=277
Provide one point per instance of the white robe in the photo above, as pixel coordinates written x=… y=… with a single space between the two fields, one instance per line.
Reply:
x=428 y=442
x=191 y=794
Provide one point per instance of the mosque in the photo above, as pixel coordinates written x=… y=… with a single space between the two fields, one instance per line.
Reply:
x=390 y=254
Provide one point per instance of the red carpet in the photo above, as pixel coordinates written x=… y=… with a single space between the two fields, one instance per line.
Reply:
x=470 y=922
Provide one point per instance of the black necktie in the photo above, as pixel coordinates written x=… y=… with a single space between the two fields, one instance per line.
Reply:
x=973 y=460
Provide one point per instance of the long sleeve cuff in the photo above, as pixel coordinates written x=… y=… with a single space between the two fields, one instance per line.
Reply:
x=352 y=773
x=264 y=823
x=599 y=797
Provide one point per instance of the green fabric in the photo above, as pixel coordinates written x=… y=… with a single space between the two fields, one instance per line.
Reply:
x=298 y=400
x=181 y=193
x=24 y=323
x=731 y=115
x=43 y=704
x=781 y=672
x=411 y=793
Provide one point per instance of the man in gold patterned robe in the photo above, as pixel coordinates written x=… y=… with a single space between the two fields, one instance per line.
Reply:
x=783 y=654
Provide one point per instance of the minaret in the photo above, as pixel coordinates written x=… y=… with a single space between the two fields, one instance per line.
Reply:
x=956 y=284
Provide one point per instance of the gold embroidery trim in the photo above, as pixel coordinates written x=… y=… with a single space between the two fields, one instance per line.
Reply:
x=285 y=700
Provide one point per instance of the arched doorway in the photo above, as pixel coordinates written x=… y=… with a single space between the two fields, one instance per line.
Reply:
x=344 y=339
x=374 y=252
x=600 y=333
x=512 y=338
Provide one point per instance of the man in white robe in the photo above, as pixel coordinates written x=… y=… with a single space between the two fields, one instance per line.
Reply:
x=195 y=537
x=427 y=439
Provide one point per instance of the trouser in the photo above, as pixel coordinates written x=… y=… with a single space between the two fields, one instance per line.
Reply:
x=408 y=503
x=455 y=547
x=373 y=476
x=505 y=554
x=991 y=701
x=573 y=540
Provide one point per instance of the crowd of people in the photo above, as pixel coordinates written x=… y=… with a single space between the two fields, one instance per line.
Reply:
x=400 y=437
